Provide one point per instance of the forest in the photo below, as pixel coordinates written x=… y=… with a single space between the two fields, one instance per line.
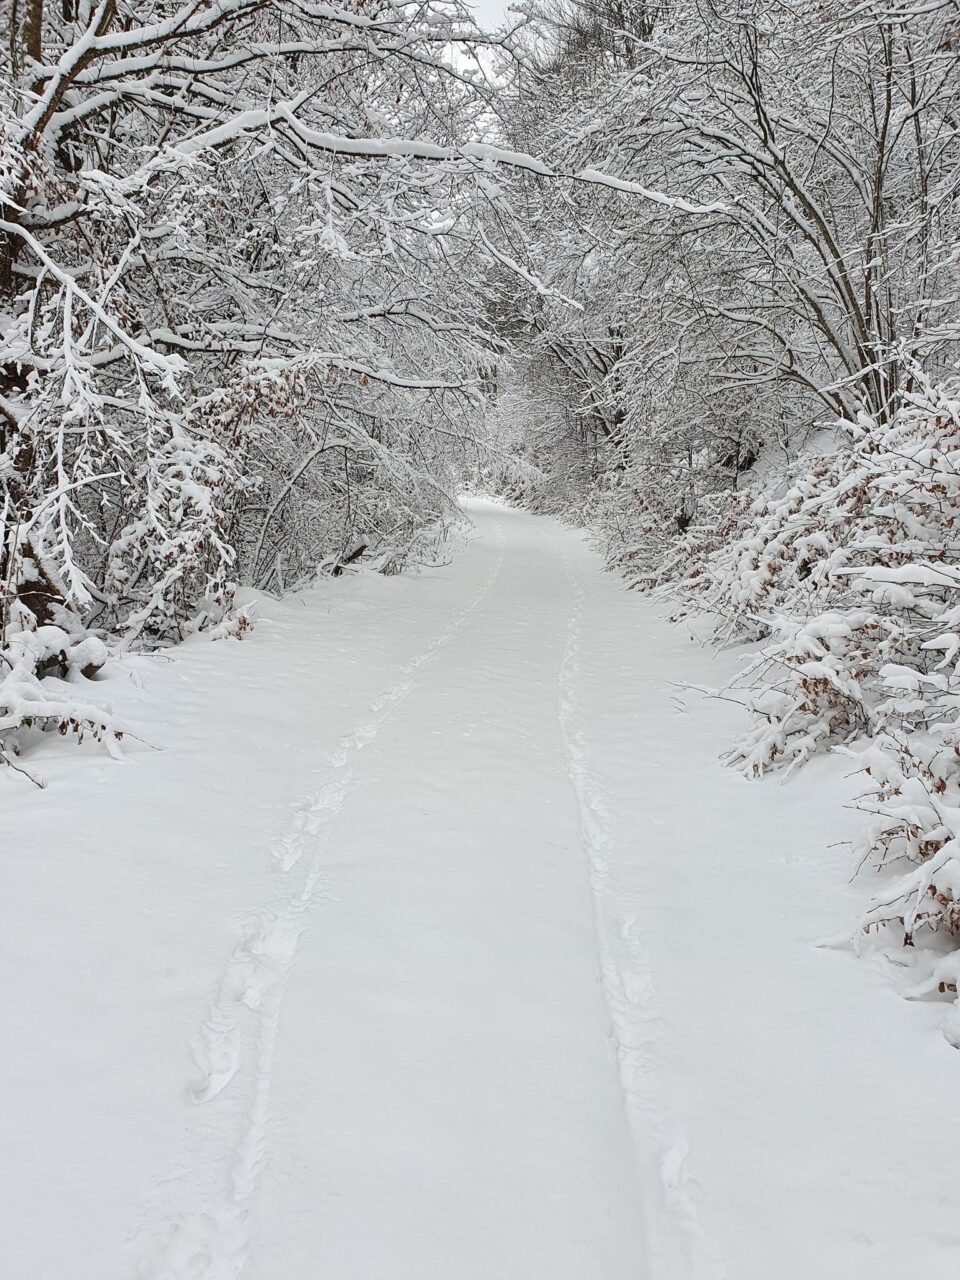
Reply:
x=281 y=281
x=278 y=276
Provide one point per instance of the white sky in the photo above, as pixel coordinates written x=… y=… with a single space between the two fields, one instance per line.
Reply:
x=490 y=13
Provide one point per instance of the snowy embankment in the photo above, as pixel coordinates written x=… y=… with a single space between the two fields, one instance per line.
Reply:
x=434 y=943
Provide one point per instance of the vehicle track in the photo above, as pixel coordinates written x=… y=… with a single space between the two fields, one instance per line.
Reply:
x=239 y=1036
x=675 y=1241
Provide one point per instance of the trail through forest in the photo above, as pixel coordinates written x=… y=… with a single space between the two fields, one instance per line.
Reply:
x=415 y=952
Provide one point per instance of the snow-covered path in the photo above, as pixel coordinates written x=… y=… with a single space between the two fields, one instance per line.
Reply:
x=446 y=1101
x=437 y=946
x=426 y=1076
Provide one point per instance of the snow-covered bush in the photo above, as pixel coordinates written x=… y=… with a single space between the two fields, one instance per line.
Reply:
x=169 y=568
x=846 y=575
x=851 y=580
x=45 y=669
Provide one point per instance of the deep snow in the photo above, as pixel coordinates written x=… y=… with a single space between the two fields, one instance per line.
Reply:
x=434 y=943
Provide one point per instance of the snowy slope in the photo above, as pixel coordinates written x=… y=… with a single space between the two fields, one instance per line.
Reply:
x=433 y=942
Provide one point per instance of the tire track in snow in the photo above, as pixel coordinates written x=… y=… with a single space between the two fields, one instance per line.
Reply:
x=676 y=1244
x=242 y=1028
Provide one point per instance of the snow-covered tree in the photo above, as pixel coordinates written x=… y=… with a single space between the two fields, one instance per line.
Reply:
x=823 y=142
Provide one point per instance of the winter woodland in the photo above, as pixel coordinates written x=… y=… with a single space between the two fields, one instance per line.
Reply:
x=279 y=280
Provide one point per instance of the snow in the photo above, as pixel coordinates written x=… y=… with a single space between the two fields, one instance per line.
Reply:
x=658 y=197
x=428 y=939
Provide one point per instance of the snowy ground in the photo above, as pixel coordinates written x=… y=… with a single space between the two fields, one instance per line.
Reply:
x=434 y=944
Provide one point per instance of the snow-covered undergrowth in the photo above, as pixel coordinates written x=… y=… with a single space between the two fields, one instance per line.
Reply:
x=846 y=574
x=51 y=664
x=41 y=670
